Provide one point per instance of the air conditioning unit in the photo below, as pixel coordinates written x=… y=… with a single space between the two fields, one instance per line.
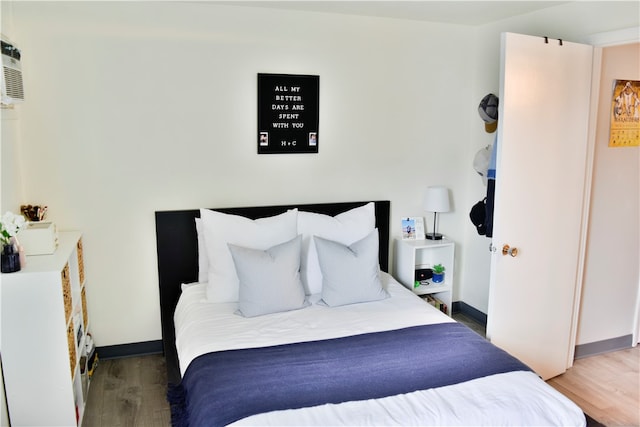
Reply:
x=12 y=91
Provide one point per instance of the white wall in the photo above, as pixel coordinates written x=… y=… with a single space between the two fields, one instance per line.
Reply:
x=612 y=258
x=137 y=107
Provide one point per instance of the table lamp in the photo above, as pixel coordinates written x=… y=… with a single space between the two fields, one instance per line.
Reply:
x=436 y=200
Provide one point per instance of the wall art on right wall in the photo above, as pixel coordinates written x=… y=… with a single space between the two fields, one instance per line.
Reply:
x=625 y=114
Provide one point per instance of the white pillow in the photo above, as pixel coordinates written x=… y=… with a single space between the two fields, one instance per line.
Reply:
x=346 y=228
x=203 y=260
x=221 y=229
x=350 y=274
x=270 y=279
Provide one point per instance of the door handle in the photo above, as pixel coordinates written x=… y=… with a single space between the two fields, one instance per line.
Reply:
x=507 y=250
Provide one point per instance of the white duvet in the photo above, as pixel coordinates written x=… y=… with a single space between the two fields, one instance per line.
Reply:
x=516 y=398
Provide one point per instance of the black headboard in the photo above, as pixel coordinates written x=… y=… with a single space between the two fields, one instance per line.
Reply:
x=177 y=248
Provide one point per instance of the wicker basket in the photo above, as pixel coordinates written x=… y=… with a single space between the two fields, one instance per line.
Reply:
x=66 y=292
x=71 y=341
x=85 y=315
x=80 y=262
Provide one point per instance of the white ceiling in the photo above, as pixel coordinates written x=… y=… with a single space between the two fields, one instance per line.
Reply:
x=451 y=12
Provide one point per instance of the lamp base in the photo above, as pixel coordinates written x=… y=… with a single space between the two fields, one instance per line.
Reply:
x=434 y=236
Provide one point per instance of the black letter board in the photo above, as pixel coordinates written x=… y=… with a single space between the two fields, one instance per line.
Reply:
x=288 y=107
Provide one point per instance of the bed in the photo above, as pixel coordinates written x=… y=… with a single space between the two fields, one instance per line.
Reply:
x=286 y=315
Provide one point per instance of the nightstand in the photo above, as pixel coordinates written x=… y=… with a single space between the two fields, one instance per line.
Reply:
x=414 y=254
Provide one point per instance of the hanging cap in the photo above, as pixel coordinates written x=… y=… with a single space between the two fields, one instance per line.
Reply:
x=478 y=216
x=488 y=110
x=481 y=162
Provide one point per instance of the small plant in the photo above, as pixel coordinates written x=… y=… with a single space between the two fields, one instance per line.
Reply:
x=438 y=268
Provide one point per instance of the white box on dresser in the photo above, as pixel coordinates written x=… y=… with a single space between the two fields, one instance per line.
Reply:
x=43 y=332
x=39 y=238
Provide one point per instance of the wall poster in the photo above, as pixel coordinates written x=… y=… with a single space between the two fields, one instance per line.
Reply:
x=288 y=109
x=625 y=114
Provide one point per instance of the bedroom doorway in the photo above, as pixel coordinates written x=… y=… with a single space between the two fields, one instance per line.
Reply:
x=540 y=198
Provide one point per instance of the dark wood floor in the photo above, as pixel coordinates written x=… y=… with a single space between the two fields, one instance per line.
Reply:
x=475 y=326
x=128 y=392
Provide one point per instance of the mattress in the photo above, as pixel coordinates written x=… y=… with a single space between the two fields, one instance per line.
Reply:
x=203 y=327
x=513 y=398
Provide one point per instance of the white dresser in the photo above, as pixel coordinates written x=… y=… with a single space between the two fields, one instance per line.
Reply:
x=44 y=329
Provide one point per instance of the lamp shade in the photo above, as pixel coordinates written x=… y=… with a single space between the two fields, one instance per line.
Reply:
x=436 y=199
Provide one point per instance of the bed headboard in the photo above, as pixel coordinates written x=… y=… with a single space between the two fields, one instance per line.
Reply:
x=177 y=248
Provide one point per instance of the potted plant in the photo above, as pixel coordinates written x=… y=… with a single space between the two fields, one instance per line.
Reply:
x=438 y=273
x=10 y=224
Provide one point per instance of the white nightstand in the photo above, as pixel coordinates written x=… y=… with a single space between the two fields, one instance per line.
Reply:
x=414 y=254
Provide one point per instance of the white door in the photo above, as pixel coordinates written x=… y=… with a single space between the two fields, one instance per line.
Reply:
x=540 y=191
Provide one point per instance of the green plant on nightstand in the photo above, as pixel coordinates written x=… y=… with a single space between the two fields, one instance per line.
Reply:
x=438 y=273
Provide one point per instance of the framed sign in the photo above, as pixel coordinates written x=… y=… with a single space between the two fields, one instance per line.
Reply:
x=288 y=109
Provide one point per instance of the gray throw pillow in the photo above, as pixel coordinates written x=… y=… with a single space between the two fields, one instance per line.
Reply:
x=350 y=274
x=270 y=279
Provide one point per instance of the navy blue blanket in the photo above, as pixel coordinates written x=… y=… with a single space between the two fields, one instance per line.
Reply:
x=222 y=387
